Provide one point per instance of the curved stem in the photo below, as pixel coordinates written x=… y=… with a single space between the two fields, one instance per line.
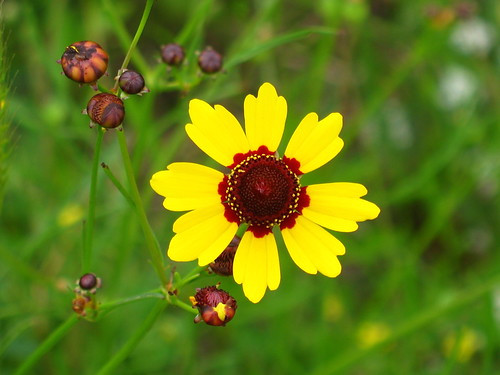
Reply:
x=132 y=342
x=138 y=33
x=107 y=307
x=89 y=226
x=151 y=241
x=45 y=346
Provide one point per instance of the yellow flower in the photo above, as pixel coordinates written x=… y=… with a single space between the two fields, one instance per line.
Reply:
x=261 y=191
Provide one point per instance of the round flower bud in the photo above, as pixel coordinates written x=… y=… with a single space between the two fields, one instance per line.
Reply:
x=131 y=82
x=216 y=307
x=106 y=110
x=84 y=62
x=210 y=61
x=172 y=54
x=223 y=265
x=88 y=281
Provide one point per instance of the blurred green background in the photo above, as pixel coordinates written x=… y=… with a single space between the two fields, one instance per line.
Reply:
x=417 y=83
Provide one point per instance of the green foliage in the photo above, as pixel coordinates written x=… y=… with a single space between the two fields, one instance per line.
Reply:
x=5 y=145
x=420 y=105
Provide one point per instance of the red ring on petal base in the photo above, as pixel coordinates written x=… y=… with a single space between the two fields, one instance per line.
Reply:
x=263 y=191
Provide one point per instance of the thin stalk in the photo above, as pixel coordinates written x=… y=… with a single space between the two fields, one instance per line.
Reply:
x=152 y=243
x=45 y=346
x=138 y=33
x=173 y=300
x=110 y=306
x=89 y=226
x=193 y=274
x=117 y=183
x=132 y=342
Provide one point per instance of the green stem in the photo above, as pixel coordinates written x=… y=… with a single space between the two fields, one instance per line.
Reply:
x=117 y=183
x=173 y=300
x=49 y=342
x=138 y=33
x=417 y=322
x=89 y=226
x=110 y=306
x=193 y=274
x=132 y=342
x=151 y=241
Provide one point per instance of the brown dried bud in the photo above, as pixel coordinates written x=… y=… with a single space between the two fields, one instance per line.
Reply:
x=80 y=303
x=106 y=110
x=223 y=265
x=131 y=82
x=210 y=61
x=172 y=54
x=216 y=307
x=84 y=62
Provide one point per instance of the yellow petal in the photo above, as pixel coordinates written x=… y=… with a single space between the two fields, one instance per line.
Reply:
x=198 y=216
x=205 y=240
x=329 y=221
x=339 y=189
x=187 y=186
x=216 y=132
x=312 y=248
x=265 y=118
x=256 y=265
x=315 y=143
x=340 y=201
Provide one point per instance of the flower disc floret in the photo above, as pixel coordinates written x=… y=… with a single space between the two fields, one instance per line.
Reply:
x=262 y=191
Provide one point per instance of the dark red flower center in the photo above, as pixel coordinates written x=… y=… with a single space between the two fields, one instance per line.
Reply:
x=262 y=191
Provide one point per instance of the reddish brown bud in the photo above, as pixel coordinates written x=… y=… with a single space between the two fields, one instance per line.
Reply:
x=172 y=54
x=210 y=61
x=88 y=281
x=216 y=307
x=84 y=62
x=106 y=110
x=131 y=82
x=223 y=265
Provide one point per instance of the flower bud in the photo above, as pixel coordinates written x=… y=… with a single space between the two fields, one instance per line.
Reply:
x=172 y=54
x=216 y=307
x=84 y=62
x=131 y=82
x=106 y=110
x=89 y=281
x=223 y=265
x=210 y=61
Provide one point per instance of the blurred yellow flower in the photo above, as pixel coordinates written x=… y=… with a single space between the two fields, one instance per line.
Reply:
x=261 y=191
x=333 y=308
x=69 y=215
x=462 y=344
x=371 y=333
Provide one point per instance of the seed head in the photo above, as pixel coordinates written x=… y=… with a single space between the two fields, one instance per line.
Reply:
x=84 y=62
x=106 y=110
